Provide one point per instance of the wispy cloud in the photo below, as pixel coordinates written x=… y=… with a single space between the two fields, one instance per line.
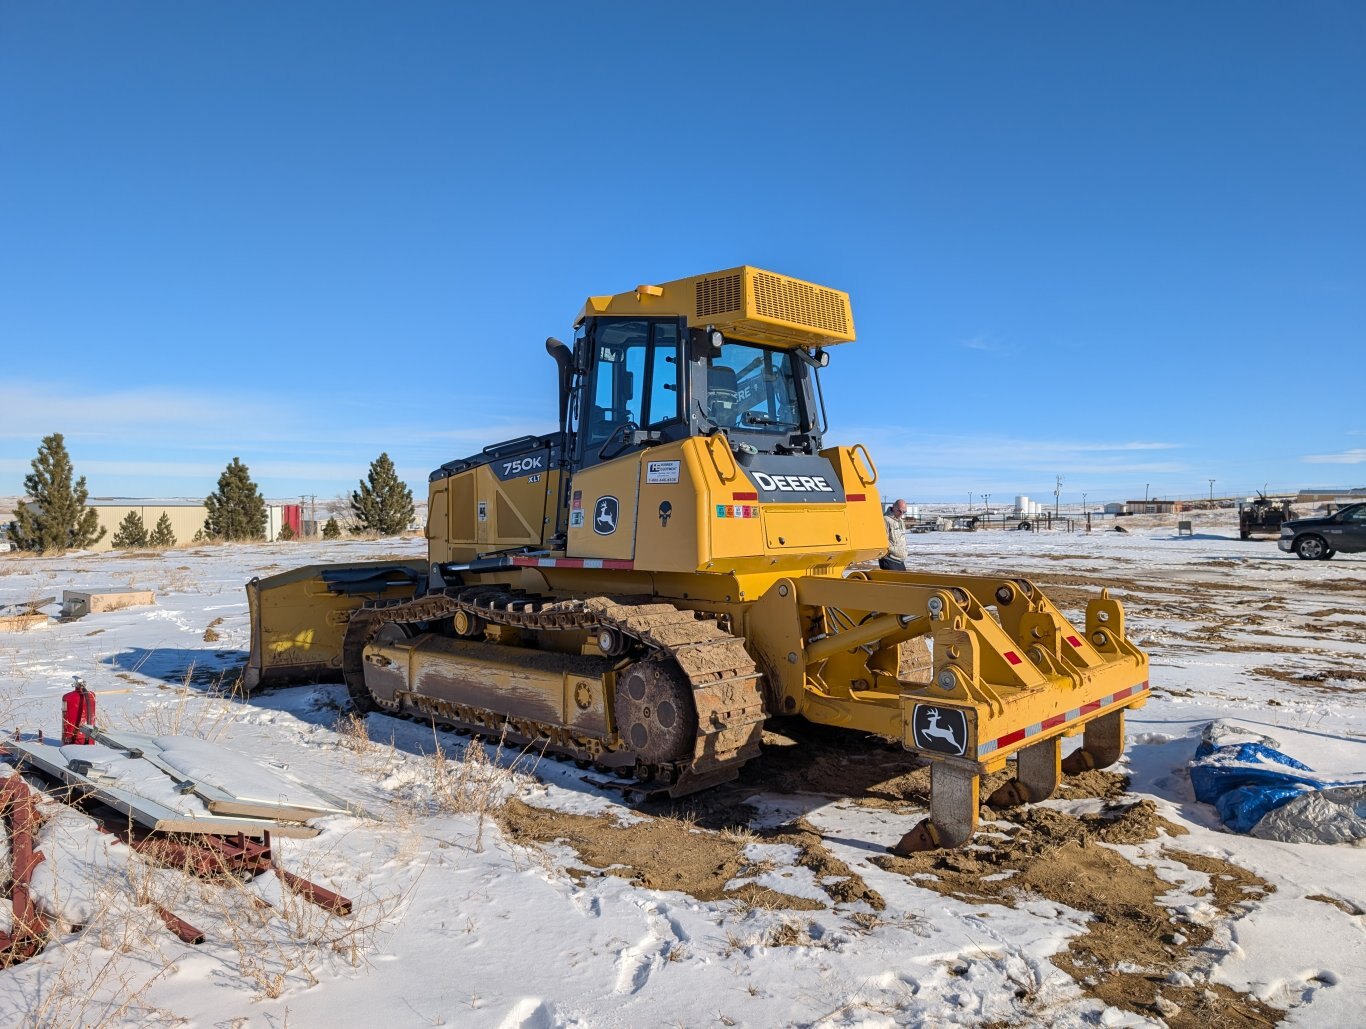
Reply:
x=1355 y=456
x=300 y=422
x=934 y=465
x=981 y=343
x=919 y=450
x=178 y=440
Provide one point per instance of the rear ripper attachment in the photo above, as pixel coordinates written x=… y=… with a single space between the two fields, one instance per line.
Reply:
x=1010 y=678
x=1015 y=685
x=655 y=691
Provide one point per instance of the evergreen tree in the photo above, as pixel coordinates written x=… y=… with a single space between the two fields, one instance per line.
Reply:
x=236 y=510
x=131 y=533
x=384 y=504
x=162 y=535
x=331 y=530
x=286 y=534
x=56 y=518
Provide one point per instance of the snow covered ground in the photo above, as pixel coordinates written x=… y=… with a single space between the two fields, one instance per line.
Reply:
x=482 y=894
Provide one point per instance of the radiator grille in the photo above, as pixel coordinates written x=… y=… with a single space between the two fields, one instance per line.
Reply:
x=799 y=303
x=719 y=296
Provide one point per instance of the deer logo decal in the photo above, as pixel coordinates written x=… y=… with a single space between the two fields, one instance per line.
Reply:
x=605 y=516
x=940 y=729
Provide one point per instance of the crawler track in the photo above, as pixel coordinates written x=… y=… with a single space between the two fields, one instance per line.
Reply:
x=724 y=681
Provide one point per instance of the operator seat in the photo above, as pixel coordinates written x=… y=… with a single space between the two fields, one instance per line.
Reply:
x=603 y=421
x=722 y=394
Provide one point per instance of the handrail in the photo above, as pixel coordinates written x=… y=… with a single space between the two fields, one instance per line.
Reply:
x=854 y=451
x=725 y=445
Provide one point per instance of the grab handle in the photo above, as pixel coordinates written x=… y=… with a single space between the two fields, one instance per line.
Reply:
x=866 y=461
x=725 y=446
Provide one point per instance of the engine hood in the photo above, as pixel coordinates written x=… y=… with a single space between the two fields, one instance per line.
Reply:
x=1308 y=523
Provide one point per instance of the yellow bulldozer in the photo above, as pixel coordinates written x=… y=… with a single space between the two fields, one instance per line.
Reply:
x=685 y=557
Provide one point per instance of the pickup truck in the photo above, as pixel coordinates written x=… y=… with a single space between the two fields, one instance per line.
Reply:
x=1318 y=539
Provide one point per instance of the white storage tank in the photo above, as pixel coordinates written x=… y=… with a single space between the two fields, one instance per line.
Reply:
x=1021 y=506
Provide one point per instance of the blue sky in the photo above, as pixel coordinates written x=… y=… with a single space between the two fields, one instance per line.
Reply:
x=1117 y=242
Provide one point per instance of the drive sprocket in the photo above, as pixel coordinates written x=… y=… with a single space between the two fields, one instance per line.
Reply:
x=656 y=715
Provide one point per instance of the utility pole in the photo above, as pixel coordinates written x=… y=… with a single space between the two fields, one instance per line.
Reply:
x=1083 y=502
x=1057 y=492
x=1145 y=491
x=1211 y=493
x=986 y=499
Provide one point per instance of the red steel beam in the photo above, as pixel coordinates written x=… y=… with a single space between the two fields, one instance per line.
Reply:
x=179 y=926
x=21 y=816
x=315 y=894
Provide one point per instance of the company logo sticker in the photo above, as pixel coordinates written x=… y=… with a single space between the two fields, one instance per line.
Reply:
x=793 y=483
x=943 y=730
x=605 y=513
x=657 y=472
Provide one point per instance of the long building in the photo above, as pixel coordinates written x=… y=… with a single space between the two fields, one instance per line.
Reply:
x=186 y=516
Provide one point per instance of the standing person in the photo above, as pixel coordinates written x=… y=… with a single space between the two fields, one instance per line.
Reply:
x=895 y=558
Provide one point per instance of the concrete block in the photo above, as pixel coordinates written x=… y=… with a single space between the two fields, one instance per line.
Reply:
x=79 y=603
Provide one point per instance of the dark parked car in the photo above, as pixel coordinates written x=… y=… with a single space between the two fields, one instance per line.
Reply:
x=1317 y=539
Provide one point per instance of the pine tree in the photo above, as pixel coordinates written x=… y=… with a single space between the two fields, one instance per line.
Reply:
x=56 y=518
x=236 y=510
x=162 y=535
x=331 y=530
x=131 y=533
x=286 y=534
x=384 y=504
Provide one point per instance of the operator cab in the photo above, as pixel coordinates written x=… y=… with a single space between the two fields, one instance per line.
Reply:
x=640 y=382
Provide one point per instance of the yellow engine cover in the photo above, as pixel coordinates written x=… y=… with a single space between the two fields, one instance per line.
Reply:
x=691 y=507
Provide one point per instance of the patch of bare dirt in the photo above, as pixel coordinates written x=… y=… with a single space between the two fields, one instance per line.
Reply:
x=1098 y=783
x=1318 y=680
x=802 y=757
x=1133 y=944
x=664 y=853
x=1233 y=887
x=1346 y=907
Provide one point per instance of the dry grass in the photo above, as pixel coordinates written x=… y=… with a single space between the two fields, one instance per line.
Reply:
x=269 y=939
x=472 y=784
x=467 y=782
x=192 y=710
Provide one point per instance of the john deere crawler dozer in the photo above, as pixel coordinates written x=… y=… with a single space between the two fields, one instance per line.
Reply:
x=685 y=557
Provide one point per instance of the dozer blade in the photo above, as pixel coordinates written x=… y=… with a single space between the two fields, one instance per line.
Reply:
x=298 y=618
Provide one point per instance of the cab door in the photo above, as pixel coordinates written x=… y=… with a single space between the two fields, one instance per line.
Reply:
x=1353 y=537
x=634 y=391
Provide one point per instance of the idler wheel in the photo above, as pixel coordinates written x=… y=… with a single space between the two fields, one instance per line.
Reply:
x=655 y=713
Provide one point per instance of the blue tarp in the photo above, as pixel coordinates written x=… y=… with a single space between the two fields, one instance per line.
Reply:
x=1245 y=777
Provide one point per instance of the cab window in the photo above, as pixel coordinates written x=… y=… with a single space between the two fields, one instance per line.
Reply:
x=753 y=388
x=636 y=370
x=665 y=361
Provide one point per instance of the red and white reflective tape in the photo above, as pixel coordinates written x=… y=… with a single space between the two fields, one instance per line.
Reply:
x=572 y=562
x=983 y=749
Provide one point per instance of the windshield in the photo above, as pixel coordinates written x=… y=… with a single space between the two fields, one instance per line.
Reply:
x=753 y=388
